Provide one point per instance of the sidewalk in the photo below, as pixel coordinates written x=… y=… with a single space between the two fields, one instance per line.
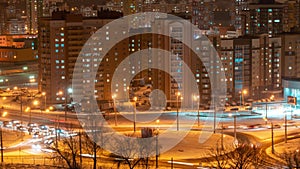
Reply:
x=281 y=148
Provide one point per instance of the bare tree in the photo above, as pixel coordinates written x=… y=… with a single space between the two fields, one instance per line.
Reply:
x=243 y=156
x=292 y=159
x=135 y=152
x=68 y=150
x=90 y=146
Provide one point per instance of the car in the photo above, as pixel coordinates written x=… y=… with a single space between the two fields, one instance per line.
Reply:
x=15 y=121
x=16 y=125
x=36 y=135
x=43 y=127
x=48 y=141
x=32 y=125
x=289 y=125
x=168 y=108
x=22 y=128
x=234 y=109
x=7 y=124
x=33 y=129
x=254 y=126
x=276 y=126
x=51 y=130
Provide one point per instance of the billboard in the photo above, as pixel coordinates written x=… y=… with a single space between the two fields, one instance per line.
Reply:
x=291 y=100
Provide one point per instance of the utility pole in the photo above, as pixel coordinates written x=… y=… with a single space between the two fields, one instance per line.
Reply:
x=222 y=138
x=272 y=135
x=177 y=109
x=1 y=142
x=156 y=155
x=199 y=111
x=80 y=149
x=266 y=111
x=235 y=140
x=285 y=128
x=215 y=114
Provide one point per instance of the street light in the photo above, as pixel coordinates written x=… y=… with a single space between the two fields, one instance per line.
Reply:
x=156 y=141
x=285 y=127
x=35 y=103
x=272 y=133
x=234 y=126
x=197 y=98
x=272 y=136
x=242 y=99
x=134 y=113
x=178 y=94
x=28 y=109
x=4 y=114
x=44 y=94
x=1 y=143
x=114 y=100
x=61 y=93
x=272 y=97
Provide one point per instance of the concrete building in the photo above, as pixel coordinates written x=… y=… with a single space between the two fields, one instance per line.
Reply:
x=267 y=18
x=252 y=63
x=203 y=13
x=290 y=55
x=61 y=38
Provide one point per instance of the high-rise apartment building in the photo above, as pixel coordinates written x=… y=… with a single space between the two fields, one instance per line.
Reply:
x=34 y=10
x=291 y=55
x=266 y=18
x=238 y=8
x=203 y=13
x=61 y=38
x=252 y=63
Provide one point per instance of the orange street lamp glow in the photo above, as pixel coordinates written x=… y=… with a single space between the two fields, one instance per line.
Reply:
x=35 y=102
x=4 y=114
x=27 y=109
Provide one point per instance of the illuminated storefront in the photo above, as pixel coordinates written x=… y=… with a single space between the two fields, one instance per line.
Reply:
x=291 y=87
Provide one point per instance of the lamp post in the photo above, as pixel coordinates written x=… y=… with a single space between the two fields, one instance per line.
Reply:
x=35 y=103
x=114 y=100
x=234 y=126
x=65 y=107
x=242 y=97
x=21 y=109
x=178 y=94
x=285 y=127
x=1 y=144
x=28 y=109
x=198 y=110
x=134 y=114
x=272 y=136
x=156 y=141
x=45 y=104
